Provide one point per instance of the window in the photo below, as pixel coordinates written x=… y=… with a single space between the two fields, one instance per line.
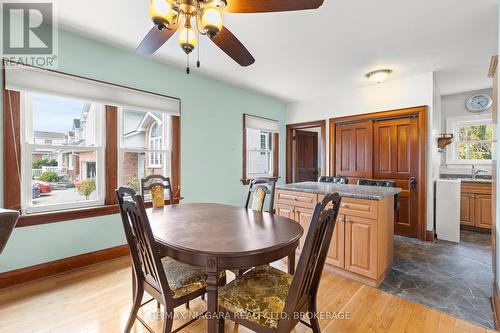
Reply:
x=50 y=181
x=261 y=143
x=143 y=151
x=65 y=153
x=473 y=139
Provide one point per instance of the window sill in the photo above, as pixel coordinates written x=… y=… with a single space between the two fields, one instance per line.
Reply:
x=248 y=180
x=29 y=220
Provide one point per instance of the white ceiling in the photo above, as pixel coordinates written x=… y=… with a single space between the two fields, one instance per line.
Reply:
x=301 y=55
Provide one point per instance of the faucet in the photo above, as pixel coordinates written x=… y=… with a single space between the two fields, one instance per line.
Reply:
x=475 y=171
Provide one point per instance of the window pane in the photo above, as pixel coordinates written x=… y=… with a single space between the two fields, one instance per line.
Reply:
x=63 y=121
x=462 y=151
x=66 y=177
x=259 y=162
x=257 y=139
x=143 y=130
x=136 y=166
x=480 y=151
x=476 y=133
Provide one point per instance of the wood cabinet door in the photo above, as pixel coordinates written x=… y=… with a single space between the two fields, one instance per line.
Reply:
x=303 y=217
x=482 y=211
x=353 y=150
x=335 y=254
x=360 y=246
x=285 y=211
x=467 y=209
x=396 y=157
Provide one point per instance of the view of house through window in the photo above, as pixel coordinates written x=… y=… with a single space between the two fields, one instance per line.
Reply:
x=475 y=142
x=145 y=147
x=62 y=141
x=259 y=152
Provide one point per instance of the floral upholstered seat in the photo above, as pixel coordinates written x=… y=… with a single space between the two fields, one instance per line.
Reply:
x=258 y=296
x=184 y=278
x=258 y=199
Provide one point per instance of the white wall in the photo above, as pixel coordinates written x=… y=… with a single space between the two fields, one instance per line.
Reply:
x=409 y=92
x=454 y=106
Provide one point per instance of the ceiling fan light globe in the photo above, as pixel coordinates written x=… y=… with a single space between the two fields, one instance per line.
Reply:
x=161 y=13
x=187 y=39
x=211 y=21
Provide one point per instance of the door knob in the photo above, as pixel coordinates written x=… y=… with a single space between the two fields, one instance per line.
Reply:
x=413 y=182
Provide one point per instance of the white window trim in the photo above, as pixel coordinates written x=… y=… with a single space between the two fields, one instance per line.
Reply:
x=251 y=175
x=152 y=156
x=452 y=126
x=27 y=148
x=166 y=151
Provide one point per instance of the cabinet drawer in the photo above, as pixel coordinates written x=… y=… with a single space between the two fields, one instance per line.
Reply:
x=297 y=199
x=357 y=207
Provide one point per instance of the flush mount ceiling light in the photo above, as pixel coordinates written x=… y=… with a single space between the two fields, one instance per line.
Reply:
x=193 y=18
x=379 y=75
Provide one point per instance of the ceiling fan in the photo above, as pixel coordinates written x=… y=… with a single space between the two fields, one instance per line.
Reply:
x=171 y=15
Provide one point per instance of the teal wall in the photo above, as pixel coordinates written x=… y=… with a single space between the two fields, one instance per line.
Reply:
x=211 y=144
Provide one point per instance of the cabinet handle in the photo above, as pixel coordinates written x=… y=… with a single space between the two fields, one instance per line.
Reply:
x=343 y=205
x=346 y=220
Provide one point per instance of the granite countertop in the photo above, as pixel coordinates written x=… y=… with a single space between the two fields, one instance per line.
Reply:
x=482 y=179
x=350 y=191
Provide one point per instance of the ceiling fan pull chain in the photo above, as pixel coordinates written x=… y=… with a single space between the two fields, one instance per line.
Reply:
x=198 y=64
x=187 y=64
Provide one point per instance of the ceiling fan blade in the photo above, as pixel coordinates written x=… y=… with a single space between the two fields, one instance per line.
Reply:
x=154 y=40
x=266 y=6
x=228 y=43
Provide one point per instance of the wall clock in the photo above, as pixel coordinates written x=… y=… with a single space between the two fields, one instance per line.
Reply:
x=479 y=102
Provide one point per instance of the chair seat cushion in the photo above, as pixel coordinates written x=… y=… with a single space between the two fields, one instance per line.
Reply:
x=183 y=278
x=258 y=296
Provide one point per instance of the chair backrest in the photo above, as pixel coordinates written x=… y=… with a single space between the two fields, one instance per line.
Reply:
x=143 y=250
x=157 y=184
x=258 y=190
x=377 y=182
x=8 y=220
x=335 y=180
x=312 y=260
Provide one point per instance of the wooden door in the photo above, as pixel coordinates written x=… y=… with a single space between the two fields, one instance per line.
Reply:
x=336 y=251
x=467 y=209
x=396 y=157
x=303 y=216
x=482 y=211
x=306 y=156
x=353 y=150
x=285 y=211
x=360 y=246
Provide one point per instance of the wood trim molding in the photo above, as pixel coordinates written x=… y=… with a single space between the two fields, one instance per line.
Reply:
x=176 y=156
x=493 y=66
x=28 y=274
x=11 y=149
x=430 y=236
x=111 y=155
x=289 y=144
x=421 y=112
x=495 y=302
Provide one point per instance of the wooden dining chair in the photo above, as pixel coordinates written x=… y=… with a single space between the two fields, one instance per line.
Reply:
x=157 y=185
x=171 y=282
x=8 y=221
x=269 y=300
x=258 y=190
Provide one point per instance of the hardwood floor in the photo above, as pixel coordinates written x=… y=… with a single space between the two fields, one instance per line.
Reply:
x=98 y=299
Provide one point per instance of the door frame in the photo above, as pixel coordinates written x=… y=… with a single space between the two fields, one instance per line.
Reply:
x=289 y=139
x=421 y=113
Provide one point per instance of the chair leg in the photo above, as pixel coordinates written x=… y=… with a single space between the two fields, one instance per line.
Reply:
x=221 y=323
x=314 y=319
x=187 y=305
x=203 y=297
x=138 y=293
x=168 y=321
x=158 y=310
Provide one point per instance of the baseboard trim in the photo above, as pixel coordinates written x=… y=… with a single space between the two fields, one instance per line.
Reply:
x=495 y=302
x=41 y=271
x=430 y=236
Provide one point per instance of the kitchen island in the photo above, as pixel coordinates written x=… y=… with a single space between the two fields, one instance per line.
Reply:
x=362 y=243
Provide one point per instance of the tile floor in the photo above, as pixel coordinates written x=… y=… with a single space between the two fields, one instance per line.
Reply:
x=452 y=278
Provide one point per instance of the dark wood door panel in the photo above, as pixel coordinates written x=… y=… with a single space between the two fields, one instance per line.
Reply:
x=354 y=148
x=396 y=157
x=306 y=156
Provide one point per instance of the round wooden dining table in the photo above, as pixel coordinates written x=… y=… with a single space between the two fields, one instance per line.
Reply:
x=220 y=237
